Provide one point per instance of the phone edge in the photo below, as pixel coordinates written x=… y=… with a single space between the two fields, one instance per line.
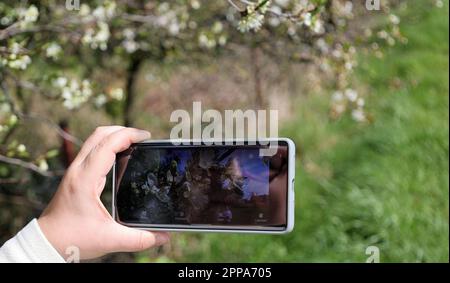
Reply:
x=291 y=197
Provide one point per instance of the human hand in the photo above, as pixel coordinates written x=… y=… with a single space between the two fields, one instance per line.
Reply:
x=77 y=218
x=278 y=175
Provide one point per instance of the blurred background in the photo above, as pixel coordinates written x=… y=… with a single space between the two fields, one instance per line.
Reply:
x=361 y=87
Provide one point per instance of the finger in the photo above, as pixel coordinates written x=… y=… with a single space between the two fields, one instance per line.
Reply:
x=125 y=239
x=279 y=158
x=278 y=162
x=101 y=158
x=277 y=199
x=99 y=134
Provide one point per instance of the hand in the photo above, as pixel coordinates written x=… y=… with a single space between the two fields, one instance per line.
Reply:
x=277 y=187
x=77 y=218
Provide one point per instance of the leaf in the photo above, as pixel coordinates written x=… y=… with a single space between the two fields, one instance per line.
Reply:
x=52 y=153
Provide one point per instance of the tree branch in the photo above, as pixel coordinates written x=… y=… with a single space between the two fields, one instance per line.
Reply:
x=28 y=165
x=47 y=121
x=288 y=16
x=54 y=125
x=21 y=201
x=235 y=6
x=146 y=19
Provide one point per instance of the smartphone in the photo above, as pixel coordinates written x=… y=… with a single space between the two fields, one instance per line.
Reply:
x=192 y=186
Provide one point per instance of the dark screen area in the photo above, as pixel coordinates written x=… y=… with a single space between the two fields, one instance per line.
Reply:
x=199 y=185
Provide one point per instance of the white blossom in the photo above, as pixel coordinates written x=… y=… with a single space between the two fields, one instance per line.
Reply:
x=292 y=31
x=163 y=7
x=174 y=28
x=73 y=93
x=130 y=46
x=394 y=19
x=205 y=41
x=129 y=33
x=28 y=16
x=84 y=10
x=339 y=108
x=99 y=13
x=337 y=96
x=391 y=41
x=13 y=119
x=19 y=62
x=5 y=108
x=43 y=165
x=192 y=25
x=317 y=26
x=217 y=27
x=382 y=34
x=282 y=3
x=15 y=48
x=322 y=45
x=337 y=53
x=21 y=148
x=103 y=32
x=351 y=95
x=5 y=20
x=99 y=38
x=222 y=40
x=360 y=102
x=60 y=82
x=307 y=19
x=195 y=4
x=254 y=18
x=117 y=93
x=274 y=21
x=358 y=115
x=348 y=8
x=251 y=22
x=53 y=50
x=106 y=11
x=348 y=65
x=100 y=100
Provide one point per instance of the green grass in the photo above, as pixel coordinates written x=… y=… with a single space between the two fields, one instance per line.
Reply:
x=383 y=183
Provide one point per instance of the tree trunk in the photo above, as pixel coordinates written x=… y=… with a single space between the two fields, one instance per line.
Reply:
x=67 y=147
x=132 y=71
x=256 y=66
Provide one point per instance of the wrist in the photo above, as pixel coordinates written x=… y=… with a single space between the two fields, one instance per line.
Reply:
x=47 y=228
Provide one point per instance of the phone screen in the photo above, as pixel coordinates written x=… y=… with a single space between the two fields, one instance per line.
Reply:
x=223 y=186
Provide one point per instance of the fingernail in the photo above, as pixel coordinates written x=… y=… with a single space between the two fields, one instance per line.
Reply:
x=145 y=134
x=161 y=239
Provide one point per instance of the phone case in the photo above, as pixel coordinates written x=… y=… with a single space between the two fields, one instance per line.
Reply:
x=193 y=228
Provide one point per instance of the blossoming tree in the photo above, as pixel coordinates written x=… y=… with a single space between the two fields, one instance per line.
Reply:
x=56 y=49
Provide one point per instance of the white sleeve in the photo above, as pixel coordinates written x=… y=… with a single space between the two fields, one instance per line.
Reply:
x=29 y=245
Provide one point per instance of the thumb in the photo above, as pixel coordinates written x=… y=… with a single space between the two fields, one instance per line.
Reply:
x=127 y=239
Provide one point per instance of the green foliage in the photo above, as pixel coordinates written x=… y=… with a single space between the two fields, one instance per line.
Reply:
x=383 y=183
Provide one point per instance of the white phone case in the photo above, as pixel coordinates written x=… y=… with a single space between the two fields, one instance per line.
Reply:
x=204 y=228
